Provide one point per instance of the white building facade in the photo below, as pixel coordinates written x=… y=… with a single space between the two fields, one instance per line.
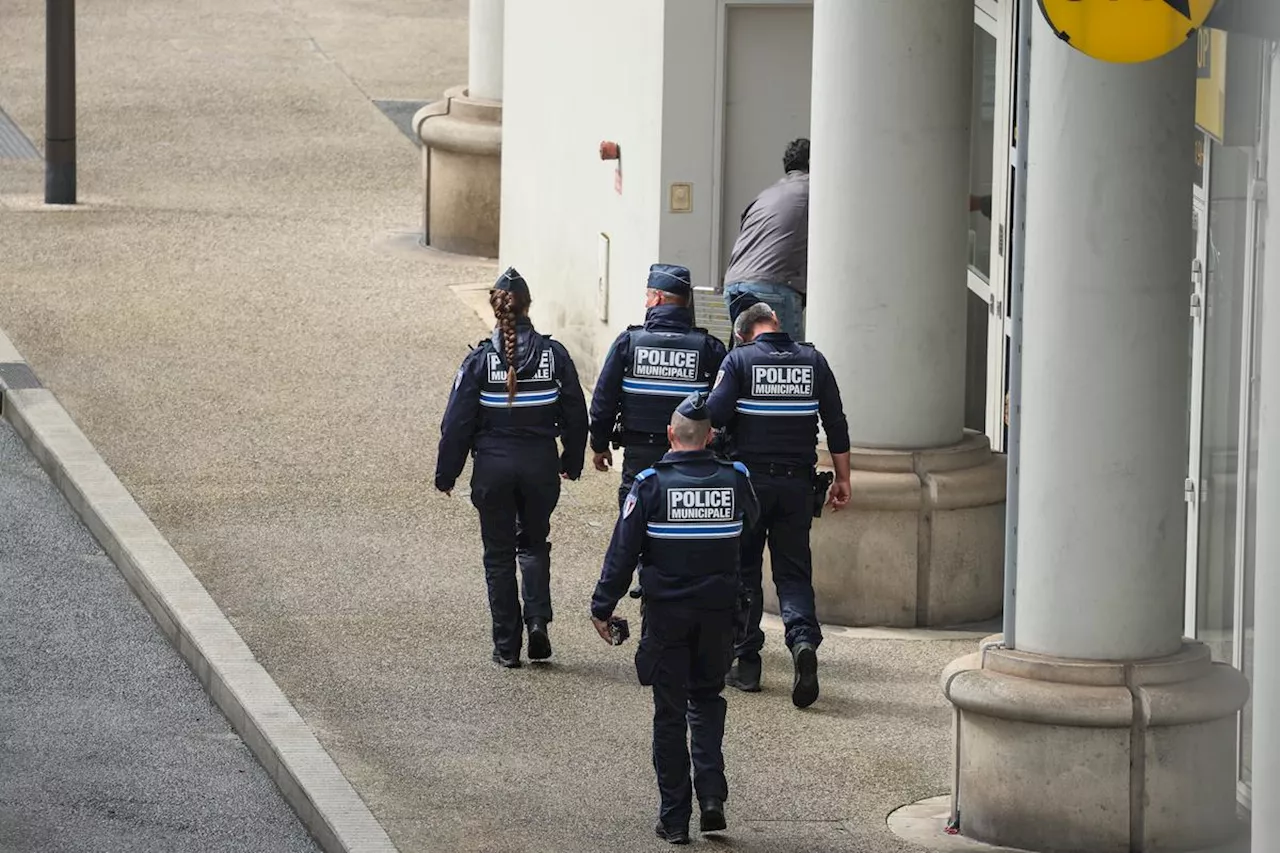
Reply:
x=1148 y=547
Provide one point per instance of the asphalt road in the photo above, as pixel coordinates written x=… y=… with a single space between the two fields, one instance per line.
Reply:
x=107 y=741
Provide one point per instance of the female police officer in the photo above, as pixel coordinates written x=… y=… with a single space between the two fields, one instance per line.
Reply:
x=513 y=396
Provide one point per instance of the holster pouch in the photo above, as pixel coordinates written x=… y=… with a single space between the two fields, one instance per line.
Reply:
x=822 y=481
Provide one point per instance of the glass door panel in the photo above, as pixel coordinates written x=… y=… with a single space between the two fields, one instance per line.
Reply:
x=988 y=173
x=1224 y=314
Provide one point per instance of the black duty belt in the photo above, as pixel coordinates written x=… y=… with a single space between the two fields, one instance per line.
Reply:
x=639 y=439
x=776 y=469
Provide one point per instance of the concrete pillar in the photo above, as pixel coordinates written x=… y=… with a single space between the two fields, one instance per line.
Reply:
x=1103 y=730
x=1266 y=608
x=484 y=58
x=1102 y=536
x=462 y=146
x=888 y=235
x=888 y=241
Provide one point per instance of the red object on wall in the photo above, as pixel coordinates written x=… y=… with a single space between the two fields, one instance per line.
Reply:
x=610 y=151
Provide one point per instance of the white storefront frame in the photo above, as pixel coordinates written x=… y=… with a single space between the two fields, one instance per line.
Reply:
x=1249 y=392
x=1254 y=248
x=1197 y=307
x=997 y=20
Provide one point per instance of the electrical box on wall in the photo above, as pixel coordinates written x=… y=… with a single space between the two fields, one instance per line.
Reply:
x=602 y=278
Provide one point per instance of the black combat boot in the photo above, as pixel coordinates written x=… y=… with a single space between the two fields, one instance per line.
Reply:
x=506 y=661
x=804 y=691
x=539 y=642
x=673 y=835
x=745 y=673
x=712 y=819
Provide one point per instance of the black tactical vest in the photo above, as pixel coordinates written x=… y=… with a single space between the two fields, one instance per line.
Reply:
x=777 y=413
x=693 y=530
x=537 y=392
x=663 y=369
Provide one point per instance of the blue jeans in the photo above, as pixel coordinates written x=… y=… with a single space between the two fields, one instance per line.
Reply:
x=786 y=302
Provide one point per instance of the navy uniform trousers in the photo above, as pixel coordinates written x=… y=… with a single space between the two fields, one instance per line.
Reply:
x=516 y=490
x=786 y=515
x=636 y=458
x=684 y=653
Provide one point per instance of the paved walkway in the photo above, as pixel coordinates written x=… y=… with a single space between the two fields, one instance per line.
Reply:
x=231 y=323
x=107 y=741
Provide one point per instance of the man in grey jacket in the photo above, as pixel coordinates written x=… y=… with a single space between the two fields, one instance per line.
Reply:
x=770 y=258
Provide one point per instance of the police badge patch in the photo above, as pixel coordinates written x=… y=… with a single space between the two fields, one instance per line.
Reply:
x=629 y=505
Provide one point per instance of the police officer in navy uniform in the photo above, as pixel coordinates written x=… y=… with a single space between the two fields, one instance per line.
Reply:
x=514 y=395
x=769 y=395
x=682 y=521
x=648 y=371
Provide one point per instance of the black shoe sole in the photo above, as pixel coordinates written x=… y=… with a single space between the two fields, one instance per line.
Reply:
x=506 y=663
x=712 y=822
x=539 y=646
x=805 y=691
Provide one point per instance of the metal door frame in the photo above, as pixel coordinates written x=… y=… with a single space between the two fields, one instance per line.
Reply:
x=1194 y=486
x=997 y=20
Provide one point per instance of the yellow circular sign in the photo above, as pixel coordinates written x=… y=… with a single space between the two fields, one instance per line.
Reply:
x=1125 y=30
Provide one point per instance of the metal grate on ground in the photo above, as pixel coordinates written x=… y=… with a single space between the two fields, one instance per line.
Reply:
x=14 y=144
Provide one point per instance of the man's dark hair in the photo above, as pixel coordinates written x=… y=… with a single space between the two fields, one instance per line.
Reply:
x=796 y=158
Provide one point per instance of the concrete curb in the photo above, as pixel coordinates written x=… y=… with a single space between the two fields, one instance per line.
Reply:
x=249 y=697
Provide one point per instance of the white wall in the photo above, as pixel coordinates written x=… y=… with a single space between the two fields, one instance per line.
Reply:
x=578 y=72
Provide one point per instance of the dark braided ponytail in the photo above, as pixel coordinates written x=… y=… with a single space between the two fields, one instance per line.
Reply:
x=507 y=308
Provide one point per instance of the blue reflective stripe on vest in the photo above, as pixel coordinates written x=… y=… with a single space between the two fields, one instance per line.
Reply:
x=663 y=389
x=775 y=408
x=522 y=398
x=705 y=530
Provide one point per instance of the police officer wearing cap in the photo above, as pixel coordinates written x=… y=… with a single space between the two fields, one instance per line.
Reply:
x=769 y=396
x=682 y=522
x=648 y=371
x=515 y=394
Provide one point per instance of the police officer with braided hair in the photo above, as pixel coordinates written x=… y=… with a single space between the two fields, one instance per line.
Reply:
x=515 y=394
x=682 y=521
x=769 y=395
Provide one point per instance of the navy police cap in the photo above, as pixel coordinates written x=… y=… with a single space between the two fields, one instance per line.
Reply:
x=694 y=407
x=670 y=278
x=512 y=282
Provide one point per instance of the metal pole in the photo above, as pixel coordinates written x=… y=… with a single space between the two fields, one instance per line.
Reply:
x=1022 y=136
x=60 y=102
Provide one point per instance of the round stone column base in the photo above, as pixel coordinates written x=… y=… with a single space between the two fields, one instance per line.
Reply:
x=1107 y=756
x=925 y=823
x=462 y=173
x=921 y=544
